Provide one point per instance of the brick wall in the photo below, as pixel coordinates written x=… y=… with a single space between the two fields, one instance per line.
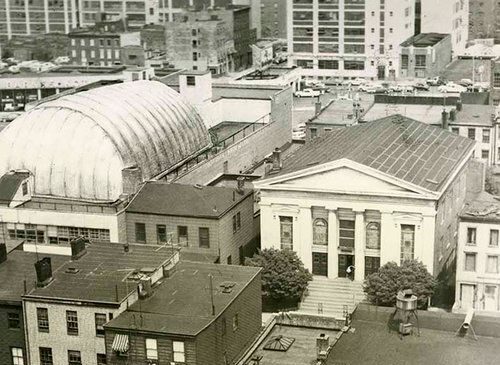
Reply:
x=243 y=155
x=10 y=337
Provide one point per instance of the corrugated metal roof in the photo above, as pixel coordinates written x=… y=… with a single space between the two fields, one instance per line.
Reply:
x=76 y=146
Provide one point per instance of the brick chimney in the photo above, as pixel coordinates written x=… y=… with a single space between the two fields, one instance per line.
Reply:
x=78 y=248
x=276 y=159
x=453 y=114
x=43 y=269
x=444 y=119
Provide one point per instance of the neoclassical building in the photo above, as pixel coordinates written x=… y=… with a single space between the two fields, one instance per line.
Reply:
x=368 y=194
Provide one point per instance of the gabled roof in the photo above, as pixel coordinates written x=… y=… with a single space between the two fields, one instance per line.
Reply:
x=9 y=184
x=401 y=147
x=185 y=200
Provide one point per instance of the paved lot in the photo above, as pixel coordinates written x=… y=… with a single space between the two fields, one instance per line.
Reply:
x=373 y=344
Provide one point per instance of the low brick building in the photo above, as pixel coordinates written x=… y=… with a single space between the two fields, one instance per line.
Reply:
x=216 y=222
x=203 y=314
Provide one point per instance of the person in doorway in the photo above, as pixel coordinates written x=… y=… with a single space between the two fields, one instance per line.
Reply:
x=350 y=272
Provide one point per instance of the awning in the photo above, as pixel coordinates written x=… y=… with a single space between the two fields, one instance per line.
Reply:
x=120 y=343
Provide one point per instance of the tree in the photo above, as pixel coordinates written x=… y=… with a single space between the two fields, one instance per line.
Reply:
x=284 y=277
x=382 y=287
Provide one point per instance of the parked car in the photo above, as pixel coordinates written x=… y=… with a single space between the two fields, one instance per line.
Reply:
x=435 y=81
x=364 y=87
x=376 y=89
x=465 y=82
x=420 y=85
x=395 y=88
x=451 y=87
x=357 y=81
x=334 y=81
x=308 y=93
x=407 y=88
x=479 y=87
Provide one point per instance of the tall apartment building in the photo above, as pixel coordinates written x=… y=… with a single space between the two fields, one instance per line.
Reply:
x=484 y=19
x=348 y=38
x=273 y=18
x=450 y=16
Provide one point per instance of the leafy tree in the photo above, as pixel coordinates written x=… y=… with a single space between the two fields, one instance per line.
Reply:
x=284 y=277
x=382 y=287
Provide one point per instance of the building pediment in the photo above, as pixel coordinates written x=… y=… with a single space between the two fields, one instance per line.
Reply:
x=346 y=177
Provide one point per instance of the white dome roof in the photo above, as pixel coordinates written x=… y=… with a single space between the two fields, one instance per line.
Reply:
x=76 y=146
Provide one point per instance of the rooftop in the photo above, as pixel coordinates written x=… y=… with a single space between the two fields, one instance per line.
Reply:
x=424 y=40
x=102 y=272
x=18 y=267
x=475 y=114
x=481 y=207
x=402 y=147
x=181 y=305
x=430 y=114
x=341 y=112
x=197 y=201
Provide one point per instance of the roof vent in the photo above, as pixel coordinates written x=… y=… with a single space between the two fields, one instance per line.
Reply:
x=72 y=270
x=198 y=186
x=431 y=181
x=227 y=287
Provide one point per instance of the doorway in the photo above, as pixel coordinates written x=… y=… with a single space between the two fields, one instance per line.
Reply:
x=344 y=262
x=320 y=264
x=490 y=298
x=467 y=294
x=381 y=72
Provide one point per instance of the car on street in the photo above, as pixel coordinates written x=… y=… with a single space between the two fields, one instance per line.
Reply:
x=420 y=85
x=375 y=89
x=332 y=81
x=435 y=81
x=394 y=88
x=357 y=81
x=465 y=82
x=308 y=93
x=451 y=87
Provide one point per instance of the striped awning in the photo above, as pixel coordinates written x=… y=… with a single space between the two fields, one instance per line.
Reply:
x=120 y=343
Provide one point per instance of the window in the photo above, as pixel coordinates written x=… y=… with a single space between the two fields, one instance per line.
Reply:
x=151 y=349
x=182 y=235
x=494 y=237
x=235 y=228
x=101 y=359
x=455 y=130
x=140 y=232
x=13 y=320
x=72 y=322
x=82 y=42
x=485 y=154
x=496 y=78
x=407 y=242
x=193 y=32
x=178 y=350
x=314 y=132
x=223 y=325
x=194 y=43
x=74 y=357
x=161 y=233
x=108 y=42
x=346 y=233
x=25 y=188
x=235 y=322
x=203 y=233
x=471 y=133
x=46 y=356
x=191 y=80
x=354 y=65
x=320 y=232
x=100 y=319
x=42 y=315
x=492 y=264
x=420 y=60
x=286 y=233
x=470 y=262
x=471 y=236
x=195 y=56
x=486 y=136
x=328 y=64
x=238 y=220
x=229 y=260
x=17 y=356
x=373 y=236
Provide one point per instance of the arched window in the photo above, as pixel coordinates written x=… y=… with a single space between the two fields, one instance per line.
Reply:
x=320 y=232
x=373 y=235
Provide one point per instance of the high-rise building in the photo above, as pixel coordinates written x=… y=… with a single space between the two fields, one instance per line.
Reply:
x=484 y=19
x=447 y=16
x=348 y=38
x=273 y=18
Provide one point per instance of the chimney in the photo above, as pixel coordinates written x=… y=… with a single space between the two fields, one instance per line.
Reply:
x=276 y=159
x=322 y=344
x=459 y=105
x=444 y=119
x=317 y=107
x=3 y=253
x=241 y=184
x=78 y=248
x=452 y=115
x=43 y=269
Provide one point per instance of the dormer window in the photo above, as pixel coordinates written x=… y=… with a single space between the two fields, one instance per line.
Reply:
x=25 y=188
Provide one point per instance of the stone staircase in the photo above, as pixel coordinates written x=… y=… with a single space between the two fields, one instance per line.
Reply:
x=327 y=297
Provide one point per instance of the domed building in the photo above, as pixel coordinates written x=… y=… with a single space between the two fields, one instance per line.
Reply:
x=98 y=144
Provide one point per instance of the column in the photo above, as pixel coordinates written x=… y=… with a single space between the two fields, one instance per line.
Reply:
x=46 y=13
x=269 y=227
x=333 y=244
x=7 y=16
x=427 y=243
x=390 y=241
x=302 y=242
x=359 y=246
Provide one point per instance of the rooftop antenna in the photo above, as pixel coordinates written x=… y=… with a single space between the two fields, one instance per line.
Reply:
x=210 y=277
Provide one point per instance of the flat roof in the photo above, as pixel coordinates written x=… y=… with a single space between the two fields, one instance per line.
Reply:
x=163 y=198
x=181 y=304
x=102 y=273
x=430 y=114
x=475 y=114
x=20 y=267
x=481 y=207
x=407 y=149
x=424 y=40
x=340 y=112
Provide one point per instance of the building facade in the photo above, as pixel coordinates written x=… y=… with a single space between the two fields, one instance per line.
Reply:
x=484 y=19
x=478 y=268
x=273 y=18
x=190 y=329
x=348 y=38
x=451 y=17
x=425 y=55
x=347 y=209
